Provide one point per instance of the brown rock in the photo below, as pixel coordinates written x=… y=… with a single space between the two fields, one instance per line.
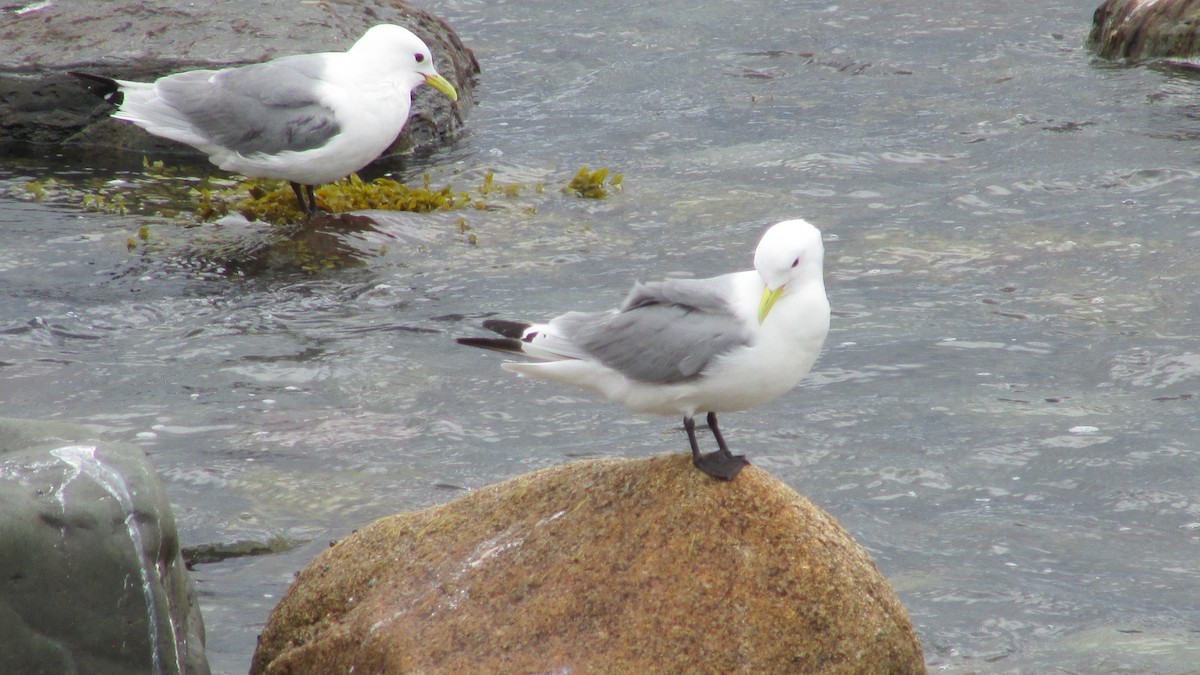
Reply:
x=1146 y=29
x=597 y=566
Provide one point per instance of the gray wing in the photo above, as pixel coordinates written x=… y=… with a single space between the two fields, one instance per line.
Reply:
x=265 y=107
x=665 y=332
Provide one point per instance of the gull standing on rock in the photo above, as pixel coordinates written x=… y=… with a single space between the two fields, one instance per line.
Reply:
x=685 y=346
x=308 y=119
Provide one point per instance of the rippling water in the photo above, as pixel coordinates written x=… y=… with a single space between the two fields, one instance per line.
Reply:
x=1005 y=413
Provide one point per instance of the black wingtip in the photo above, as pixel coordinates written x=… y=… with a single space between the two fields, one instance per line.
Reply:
x=104 y=87
x=498 y=344
x=509 y=329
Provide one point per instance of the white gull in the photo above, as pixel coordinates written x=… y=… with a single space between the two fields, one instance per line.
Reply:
x=686 y=346
x=308 y=119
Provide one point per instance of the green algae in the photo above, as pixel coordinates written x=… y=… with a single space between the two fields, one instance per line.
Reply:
x=489 y=187
x=204 y=554
x=36 y=189
x=176 y=193
x=269 y=231
x=143 y=238
x=158 y=190
x=106 y=204
x=590 y=184
x=275 y=202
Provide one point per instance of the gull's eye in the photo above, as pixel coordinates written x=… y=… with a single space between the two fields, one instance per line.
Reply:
x=419 y=57
x=795 y=262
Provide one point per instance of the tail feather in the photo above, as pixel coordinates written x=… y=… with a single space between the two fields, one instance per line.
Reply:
x=104 y=87
x=509 y=329
x=498 y=344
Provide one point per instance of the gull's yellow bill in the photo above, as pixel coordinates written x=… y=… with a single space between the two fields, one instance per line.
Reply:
x=768 y=301
x=443 y=85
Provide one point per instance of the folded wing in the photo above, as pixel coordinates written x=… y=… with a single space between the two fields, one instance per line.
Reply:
x=262 y=108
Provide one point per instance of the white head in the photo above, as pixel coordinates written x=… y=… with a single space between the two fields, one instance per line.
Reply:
x=402 y=51
x=790 y=252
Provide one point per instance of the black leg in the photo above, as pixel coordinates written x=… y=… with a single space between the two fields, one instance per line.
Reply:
x=312 y=201
x=310 y=207
x=712 y=424
x=722 y=464
x=689 y=425
x=300 y=197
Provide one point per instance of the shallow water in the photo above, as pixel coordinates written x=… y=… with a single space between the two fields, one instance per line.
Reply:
x=1005 y=413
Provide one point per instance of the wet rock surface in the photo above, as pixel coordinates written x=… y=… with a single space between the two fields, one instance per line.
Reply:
x=597 y=566
x=1146 y=29
x=141 y=40
x=91 y=577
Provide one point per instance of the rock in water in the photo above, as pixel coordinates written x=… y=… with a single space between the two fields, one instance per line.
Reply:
x=1146 y=29
x=597 y=566
x=93 y=581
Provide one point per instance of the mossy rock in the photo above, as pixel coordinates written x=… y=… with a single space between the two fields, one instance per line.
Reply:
x=1138 y=30
x=597 y=566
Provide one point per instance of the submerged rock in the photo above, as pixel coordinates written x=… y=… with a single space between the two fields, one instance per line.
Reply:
x=597 y=566
x=1146 y=29
x=146 y=39
x=92 y=578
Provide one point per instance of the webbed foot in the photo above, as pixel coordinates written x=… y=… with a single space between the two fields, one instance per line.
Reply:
x=720 y=465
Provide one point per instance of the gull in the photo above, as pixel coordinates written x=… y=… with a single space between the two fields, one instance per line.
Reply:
x=308 y=119
x=685 y=346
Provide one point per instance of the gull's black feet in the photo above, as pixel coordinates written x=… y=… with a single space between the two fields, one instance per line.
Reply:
x=720 y=465
x=309 y=207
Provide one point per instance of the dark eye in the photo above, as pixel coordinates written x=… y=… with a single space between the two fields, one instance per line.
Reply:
x=419 y=57
x=795 y=262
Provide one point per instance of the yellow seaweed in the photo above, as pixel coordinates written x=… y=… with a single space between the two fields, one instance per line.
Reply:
x=590 y=184
x=275 y=202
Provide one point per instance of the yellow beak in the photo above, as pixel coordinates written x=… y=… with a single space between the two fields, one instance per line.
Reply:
x=443 y=85
x=768 y=301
